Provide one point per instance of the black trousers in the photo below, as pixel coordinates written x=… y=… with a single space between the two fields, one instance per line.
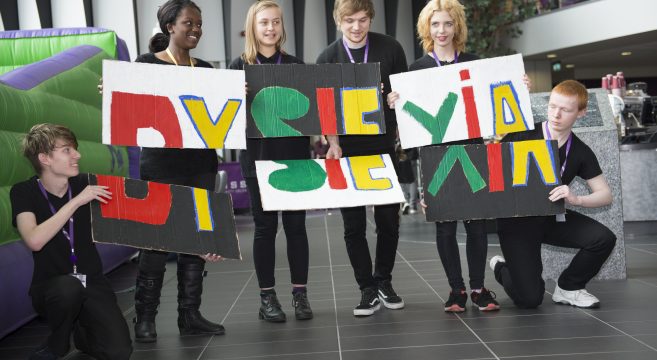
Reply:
x=153 y=261
x=264 y=240
x=386 y=218
x=521 y=239
x=476 y=248
x=91 y=311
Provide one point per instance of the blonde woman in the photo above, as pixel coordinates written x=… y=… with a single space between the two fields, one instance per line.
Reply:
x=265 y=36
x=443 y=34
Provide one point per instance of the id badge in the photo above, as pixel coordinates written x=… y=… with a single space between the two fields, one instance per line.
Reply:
x=81 y=277
x=561 y=217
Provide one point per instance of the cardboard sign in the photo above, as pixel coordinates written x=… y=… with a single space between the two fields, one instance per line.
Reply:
x=325 y=99
x=465 y=182
x=150 y=215
x=462 y=101
x=321 y=184
x=154 y=105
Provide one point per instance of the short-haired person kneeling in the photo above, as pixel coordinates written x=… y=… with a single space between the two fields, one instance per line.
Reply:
x=51 y=213
x=519 y=271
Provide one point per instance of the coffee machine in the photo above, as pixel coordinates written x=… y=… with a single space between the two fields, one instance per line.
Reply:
x=639 y=106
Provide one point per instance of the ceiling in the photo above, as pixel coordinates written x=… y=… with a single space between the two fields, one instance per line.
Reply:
x=607 y=54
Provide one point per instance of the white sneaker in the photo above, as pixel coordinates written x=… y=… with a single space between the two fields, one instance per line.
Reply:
x=580 y=298
x=494 y=260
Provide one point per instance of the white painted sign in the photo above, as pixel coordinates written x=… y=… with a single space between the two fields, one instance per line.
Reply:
x=321 y=184
x=462 y=101
x=152 y=105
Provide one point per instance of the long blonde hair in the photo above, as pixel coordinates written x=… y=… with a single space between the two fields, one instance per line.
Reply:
x=456 y=10
x=251 y=43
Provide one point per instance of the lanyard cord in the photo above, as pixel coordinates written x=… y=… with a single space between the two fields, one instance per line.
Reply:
x=191 y=63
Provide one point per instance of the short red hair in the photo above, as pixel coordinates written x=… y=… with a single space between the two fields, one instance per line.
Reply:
x=573 y=88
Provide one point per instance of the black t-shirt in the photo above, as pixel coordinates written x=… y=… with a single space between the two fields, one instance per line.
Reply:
x=163 y=163
x=54 y=258
x=282 y=148
x=582 y=161
x=428 y=62
x=390 y=54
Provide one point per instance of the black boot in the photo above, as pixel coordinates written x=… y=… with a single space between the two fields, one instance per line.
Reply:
x=302 y=310
x=270 y=308
x=190 y=288
x=147 y=299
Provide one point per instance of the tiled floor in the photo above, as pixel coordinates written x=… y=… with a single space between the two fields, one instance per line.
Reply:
x=625 y=327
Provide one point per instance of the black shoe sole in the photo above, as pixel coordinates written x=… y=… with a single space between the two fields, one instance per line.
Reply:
x=261 y=316
x=146 y=340
x=185 y=332
x=303 y=317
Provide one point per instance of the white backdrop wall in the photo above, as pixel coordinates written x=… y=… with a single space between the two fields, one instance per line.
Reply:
x=117 y=15
x=28 y=15
x=68 y=13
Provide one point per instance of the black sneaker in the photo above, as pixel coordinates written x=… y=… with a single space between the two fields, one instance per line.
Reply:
x=302 y=310
x=485 y=300
x=456 y=301
x=369 y=302
x=389 y=297
x=270 y=308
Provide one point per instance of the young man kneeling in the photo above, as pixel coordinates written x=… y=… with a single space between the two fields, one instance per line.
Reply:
x=519 y=271
x=51 y=212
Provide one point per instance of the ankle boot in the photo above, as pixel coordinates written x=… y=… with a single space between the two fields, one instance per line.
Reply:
x=190 y=288
x=270 y=307
x=147 y=299
x=302 y=310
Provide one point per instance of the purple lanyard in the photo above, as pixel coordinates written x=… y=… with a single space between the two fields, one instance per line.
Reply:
x=570 y=140
x=278 y=61
x=435 y=57
x=68 y=234
x=351 y=57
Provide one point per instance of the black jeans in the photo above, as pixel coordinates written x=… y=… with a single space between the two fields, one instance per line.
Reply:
x=264 y=240
x=65 y=304
x=521 y=239
x=386 y=218
x=476 y=248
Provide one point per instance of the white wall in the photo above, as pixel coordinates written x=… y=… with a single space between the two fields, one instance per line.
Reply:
x=147 y=22
x=28 y=15
x=406 y=30
x=379 y=23
x=68 y=13
x=314 y=30
x=211 y=47
x=584 y=24
x=117 y=15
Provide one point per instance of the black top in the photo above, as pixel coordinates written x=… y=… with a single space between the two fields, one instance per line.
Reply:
x=54 y=258
x=582 y=161
x=281 y=148
x=428 y=62
x=390 y=54
x=166 y=163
